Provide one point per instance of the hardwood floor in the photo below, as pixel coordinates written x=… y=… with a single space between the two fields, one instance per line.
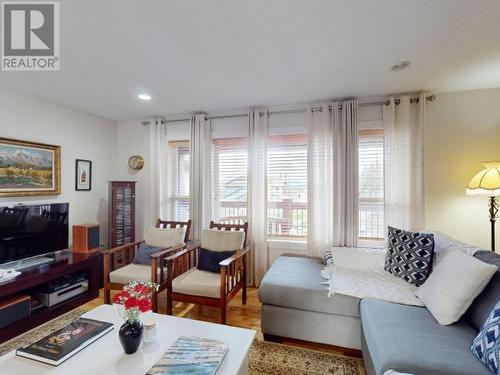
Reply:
x=238 y=315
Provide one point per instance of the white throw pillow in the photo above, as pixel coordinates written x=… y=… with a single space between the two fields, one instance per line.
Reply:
x=444 y=245
x=164 y=237
x=453 y=285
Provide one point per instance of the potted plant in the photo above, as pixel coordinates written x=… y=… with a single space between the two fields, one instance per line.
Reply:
x=134 y=299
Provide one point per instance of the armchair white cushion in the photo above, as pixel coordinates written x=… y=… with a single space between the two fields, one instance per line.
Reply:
x=164 y=237
x=221 y=240
x=131 y=272
x=197 y=283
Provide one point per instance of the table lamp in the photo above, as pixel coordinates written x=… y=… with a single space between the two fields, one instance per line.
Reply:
x=487 y=183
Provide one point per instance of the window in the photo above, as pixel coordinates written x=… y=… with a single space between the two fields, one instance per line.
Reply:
x=178 y=181
x=371 y=184
x=287 y=186
x=229 y=180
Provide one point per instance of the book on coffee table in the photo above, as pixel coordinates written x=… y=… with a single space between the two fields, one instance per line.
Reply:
x=191 y=355
x=57 y=347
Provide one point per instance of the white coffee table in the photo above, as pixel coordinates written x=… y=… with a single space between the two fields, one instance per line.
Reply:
x=106 y=356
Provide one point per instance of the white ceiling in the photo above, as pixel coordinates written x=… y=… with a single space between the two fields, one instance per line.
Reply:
x=214 y=55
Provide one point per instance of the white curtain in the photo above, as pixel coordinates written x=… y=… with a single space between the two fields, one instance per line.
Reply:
x=257 y=195
x=158 y=172
x=320 y=123
x=200 y=176
x=345 y=175
x=332 y=176
x=403 y=145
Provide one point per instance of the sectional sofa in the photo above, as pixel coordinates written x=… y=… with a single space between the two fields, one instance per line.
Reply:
x=391 y=336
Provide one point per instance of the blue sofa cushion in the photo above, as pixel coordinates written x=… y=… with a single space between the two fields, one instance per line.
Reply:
x=409 y=340
x=486 y=345
x=486 y=301
x=295 y=282
x=209 y=260
x=409 y=255
x=144 y=252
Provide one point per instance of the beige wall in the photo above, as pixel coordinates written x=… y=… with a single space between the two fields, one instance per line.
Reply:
x=81 y=136
x=462 y=129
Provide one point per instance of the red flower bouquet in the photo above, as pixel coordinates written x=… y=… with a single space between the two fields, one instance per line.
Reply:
x=135 y=299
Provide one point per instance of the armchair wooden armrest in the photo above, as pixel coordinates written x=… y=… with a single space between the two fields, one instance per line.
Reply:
x=121 y=248
x=226 y=262
x=165 y=253
x=182 y=261
x=119 y=256
x=189 y=248
x=233 y=274
x=158 y=263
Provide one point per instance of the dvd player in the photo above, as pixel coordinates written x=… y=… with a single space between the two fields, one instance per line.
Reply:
x=63 y=289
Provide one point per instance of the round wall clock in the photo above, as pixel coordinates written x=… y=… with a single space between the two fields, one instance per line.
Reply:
x=136 y=162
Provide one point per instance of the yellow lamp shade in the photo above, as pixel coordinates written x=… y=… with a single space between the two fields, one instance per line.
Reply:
x=486 y=182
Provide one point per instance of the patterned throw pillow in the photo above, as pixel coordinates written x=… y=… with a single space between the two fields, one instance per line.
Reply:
x=409 y=255
x=328 y=256
x=486 y=345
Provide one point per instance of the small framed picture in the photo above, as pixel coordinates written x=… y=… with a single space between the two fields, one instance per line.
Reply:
x=83 y=175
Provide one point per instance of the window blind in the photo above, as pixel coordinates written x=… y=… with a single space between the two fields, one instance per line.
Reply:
x=287 y=185
x=371 y=184
x=178 y=172
x=229 y=180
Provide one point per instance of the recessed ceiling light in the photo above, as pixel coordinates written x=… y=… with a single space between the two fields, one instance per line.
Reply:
x=144 y=96
x=400 y=66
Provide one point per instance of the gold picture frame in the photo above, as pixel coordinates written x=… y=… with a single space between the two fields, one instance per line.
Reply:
x=29 y=168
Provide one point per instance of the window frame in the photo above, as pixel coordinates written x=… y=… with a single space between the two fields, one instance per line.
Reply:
x=372 y=241
x=300 y=139
x=216 y=200
x=173 y=196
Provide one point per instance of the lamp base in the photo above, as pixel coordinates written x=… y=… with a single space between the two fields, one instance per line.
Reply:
x=493 y=209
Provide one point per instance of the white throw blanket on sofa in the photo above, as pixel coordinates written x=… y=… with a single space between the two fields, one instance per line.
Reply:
x=359 y=272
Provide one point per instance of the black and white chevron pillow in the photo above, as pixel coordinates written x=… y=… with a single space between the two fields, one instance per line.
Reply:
x=409 y=255
x=328 y=256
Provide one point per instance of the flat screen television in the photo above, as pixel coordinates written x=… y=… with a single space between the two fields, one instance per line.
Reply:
x=30 y=230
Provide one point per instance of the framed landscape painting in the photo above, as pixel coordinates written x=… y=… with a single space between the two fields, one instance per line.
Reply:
x=28 y=168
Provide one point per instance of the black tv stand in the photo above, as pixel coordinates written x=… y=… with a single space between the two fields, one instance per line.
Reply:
x=65 y=263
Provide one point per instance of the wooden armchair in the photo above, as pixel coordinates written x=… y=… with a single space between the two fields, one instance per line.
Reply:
x=185 y=283
x=119 y=269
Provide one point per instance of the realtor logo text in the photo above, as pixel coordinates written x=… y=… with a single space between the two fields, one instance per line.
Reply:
x=30 y=35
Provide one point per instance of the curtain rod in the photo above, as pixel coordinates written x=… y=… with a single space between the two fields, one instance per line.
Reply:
x=430 y=98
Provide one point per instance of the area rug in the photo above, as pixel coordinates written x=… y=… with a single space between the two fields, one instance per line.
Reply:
x=265 y=358
x=39 y=332
x=272 y=359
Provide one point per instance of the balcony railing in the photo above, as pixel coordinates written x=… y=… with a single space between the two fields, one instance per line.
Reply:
x=285 y=219
x=288 y=218
x=371 y=218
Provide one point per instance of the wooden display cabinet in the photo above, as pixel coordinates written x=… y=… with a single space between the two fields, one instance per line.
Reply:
x=121 y=213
